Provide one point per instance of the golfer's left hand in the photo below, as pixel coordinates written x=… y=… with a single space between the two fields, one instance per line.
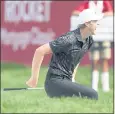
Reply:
x=32 y=82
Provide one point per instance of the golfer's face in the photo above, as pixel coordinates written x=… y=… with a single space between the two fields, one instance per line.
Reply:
x=93 y=26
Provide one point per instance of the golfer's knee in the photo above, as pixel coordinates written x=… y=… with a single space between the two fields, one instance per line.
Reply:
x=94 y=95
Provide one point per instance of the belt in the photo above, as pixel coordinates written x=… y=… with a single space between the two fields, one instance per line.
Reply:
x=54 y=76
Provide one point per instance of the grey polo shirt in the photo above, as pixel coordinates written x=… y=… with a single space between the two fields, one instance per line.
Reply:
x=68 y=50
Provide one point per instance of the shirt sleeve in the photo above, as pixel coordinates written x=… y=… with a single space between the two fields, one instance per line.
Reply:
x=61 y=44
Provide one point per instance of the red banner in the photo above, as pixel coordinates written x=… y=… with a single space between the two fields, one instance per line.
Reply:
x=25 y=25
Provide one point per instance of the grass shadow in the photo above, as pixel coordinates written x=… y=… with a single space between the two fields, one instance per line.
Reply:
x=10 y=66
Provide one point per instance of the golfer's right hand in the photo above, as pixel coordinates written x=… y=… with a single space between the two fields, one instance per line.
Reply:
x=32 y=82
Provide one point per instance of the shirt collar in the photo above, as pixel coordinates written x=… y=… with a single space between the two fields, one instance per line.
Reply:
x=78 y=35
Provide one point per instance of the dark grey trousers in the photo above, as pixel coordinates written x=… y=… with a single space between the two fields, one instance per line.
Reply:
x=58 y=86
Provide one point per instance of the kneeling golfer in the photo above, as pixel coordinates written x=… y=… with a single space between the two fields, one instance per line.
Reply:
x=67 y=51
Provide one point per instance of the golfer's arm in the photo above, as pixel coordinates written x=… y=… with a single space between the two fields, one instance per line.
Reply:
x=38 y=58
x=109 y=13
x=75 y=70
x=75 y=13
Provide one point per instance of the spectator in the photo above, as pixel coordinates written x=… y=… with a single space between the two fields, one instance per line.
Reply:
x=100 y=50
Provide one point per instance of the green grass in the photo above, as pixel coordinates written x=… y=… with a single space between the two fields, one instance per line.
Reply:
x=36 y=101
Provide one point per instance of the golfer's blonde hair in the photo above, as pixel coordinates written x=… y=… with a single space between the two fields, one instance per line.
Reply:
x=81 y=26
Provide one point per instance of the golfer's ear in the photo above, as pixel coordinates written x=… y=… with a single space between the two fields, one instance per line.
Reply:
x=86 y=24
